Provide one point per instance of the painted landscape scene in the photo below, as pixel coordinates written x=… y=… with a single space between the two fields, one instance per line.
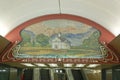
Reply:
x=59 y=38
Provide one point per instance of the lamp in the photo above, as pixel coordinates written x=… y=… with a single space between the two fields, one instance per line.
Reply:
x=59 y=2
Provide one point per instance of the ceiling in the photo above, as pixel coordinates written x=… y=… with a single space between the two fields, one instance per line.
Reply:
x=16 y=12
x=103 y=12
x=54 y=65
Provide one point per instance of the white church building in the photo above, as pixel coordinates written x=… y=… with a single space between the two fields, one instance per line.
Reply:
x=60 y=43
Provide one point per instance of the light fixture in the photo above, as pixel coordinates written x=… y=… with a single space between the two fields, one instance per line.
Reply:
x=3 y=28
x=53 y=65
x=68 y=65
x=59 y=2
x=40 y=64
x=28 y=64
x=80 y=65
x=93 y=65
x=56 y=71
x=61 y=71
x=96 y=71
x=3 y=70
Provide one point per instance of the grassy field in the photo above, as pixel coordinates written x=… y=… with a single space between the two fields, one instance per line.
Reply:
x=63 y=52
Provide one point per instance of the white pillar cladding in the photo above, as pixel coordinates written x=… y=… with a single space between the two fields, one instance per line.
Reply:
x=52 y=73
x=69 y=74
x=36 y=74
x=13 y=74
x=84 y=74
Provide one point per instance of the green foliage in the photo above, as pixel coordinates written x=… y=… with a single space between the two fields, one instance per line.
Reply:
x=25 y=38
x=92 y=42
x=42 y=39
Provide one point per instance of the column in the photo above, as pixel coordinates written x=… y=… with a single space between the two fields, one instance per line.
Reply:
x=36 y=74
x=52 y=73
x=69 y=74
x=13 y=74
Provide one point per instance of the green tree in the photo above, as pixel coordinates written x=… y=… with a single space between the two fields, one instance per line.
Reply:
x=93 y=41
x=42 y=39
x=25 y=38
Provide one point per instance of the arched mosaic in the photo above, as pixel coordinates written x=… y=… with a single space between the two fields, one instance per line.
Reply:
x=59 y=38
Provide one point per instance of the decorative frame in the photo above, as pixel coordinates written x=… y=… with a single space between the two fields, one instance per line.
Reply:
x=109 y=58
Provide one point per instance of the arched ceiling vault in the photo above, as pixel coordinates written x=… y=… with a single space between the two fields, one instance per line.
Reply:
x=103 y=12
x=13 y=13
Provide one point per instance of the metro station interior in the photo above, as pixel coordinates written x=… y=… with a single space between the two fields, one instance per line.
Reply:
x=59 y=40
